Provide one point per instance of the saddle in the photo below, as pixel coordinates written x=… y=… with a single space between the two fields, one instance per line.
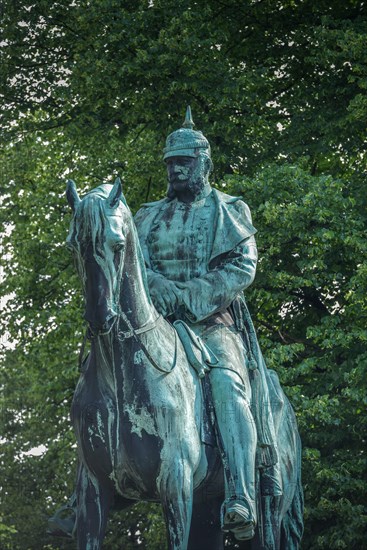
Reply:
x=201 y=358
x=199 y=355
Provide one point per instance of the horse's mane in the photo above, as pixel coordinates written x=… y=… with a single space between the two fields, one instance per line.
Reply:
x=92 y=216
x=91 y=226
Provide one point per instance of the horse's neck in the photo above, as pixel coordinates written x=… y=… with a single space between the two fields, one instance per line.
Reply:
x=106 y=362
x=135 y=301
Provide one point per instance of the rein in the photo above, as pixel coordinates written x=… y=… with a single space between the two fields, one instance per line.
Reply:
x=134 y=333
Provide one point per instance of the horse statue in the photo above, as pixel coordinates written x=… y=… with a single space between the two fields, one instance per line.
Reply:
x=138 y=406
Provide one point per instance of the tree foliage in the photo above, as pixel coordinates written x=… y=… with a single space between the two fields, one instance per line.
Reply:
x=310 y=311
x=91 y=89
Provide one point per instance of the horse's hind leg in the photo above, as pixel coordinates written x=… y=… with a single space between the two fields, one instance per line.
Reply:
x=292 y=524
x=205 y=531
x=93 y=503
x=176 y=492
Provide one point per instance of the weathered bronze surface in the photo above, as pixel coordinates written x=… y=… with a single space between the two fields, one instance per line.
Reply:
x=221 y=450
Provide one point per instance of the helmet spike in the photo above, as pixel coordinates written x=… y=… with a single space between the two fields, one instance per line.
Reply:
x=186 y=142
x=188 y=123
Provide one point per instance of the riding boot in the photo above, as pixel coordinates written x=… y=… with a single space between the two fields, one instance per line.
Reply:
x=236 y=429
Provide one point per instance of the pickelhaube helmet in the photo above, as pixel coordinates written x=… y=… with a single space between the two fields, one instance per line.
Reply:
x=186 y=142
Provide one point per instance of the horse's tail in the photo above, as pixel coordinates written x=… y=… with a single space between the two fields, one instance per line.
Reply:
x=292 y=523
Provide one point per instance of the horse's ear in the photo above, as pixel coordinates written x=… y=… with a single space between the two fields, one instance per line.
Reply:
x=72 y=195
x=115 y=195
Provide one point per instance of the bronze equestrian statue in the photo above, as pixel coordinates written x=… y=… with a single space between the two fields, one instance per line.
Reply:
x=175 y=403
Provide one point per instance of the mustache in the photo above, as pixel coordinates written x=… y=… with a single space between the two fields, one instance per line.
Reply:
x=179 y=177
x=195 y=186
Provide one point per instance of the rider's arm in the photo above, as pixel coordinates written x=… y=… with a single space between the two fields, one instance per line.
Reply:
x=216 y=290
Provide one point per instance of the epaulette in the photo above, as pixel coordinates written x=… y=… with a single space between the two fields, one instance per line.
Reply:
x=227 y=198
x=154 y=203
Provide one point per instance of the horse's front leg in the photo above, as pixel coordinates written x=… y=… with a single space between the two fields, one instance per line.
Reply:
x=93 y=504
x=175 y=486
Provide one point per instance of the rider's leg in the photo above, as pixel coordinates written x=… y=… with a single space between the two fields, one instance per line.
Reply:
x=231 y=393
x=238 y=439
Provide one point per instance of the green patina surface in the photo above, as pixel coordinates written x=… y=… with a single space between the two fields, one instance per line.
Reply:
x=189 y=258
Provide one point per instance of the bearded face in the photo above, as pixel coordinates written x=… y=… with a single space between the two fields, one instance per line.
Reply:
x=187 y=176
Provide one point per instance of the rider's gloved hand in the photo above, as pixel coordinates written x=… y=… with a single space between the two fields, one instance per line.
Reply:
x=164 y=294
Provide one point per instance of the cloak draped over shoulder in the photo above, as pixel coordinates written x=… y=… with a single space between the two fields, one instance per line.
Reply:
x=231 y=269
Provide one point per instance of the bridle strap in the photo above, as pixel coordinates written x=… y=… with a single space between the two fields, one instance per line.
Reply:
x=145 y=328
x=91 y=334
x=82 y=348
x=136 y=331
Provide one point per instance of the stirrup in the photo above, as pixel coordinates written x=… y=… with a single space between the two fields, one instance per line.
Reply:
x=245 y=533
x=237 y=518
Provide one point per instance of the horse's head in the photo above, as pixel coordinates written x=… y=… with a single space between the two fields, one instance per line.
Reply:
x=97 y=238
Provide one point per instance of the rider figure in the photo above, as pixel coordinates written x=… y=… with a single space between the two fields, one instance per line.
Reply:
x=200 y=253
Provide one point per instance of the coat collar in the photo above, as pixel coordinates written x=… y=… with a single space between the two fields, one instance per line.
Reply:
x=232 y=223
